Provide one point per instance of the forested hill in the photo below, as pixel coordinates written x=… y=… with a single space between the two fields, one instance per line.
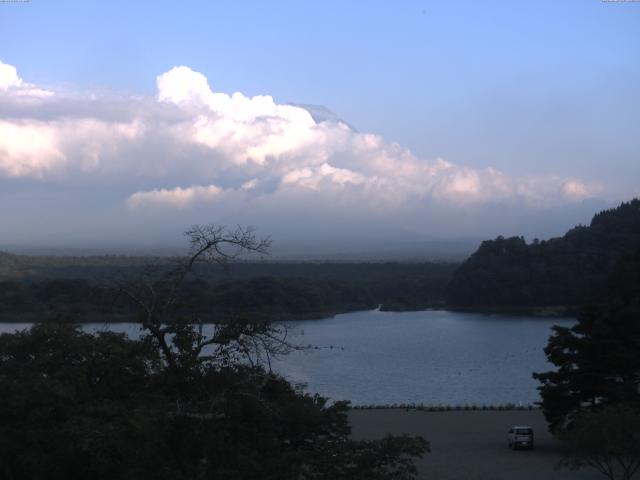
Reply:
x=567 y=271
x=83 y=288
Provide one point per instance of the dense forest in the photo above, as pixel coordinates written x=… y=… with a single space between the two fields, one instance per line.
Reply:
x=82 y=289
x=563 y=272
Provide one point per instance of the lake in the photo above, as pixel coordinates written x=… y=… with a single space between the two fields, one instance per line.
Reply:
x=430 y=357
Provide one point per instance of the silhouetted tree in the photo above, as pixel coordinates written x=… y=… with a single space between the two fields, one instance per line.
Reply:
x=598 y=364
x=568 y=271
x=181 y=403
x=607 y=440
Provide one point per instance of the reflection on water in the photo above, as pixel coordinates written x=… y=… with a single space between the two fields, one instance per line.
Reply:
x=412 y=357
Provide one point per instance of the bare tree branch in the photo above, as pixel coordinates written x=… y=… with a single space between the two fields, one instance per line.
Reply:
x=158 y=290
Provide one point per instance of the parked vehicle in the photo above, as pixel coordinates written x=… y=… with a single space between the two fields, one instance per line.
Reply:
x=520 y=436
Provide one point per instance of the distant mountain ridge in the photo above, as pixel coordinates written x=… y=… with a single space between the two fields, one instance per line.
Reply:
x=567 y=271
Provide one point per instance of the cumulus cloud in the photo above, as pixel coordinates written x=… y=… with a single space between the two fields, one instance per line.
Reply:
x=27 y=148
x=9 y=77
x=577 y=190
x=174 y=197
x=191 y=146
x=33 y=148
x=9 y=80
x=313 y=178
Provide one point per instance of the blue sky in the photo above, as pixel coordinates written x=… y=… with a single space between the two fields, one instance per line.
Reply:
x=528 y=88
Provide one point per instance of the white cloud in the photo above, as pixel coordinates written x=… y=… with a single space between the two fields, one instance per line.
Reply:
x=249 y=152
x=246 y=130
x=41 y=149
x=28 y=148
x=9 y=77
x=314 y=178
x=9 y=80
x=577 y=190
x=174 y=197
x=250 y=184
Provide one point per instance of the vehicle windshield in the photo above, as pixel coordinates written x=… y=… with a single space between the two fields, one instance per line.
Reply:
x=523 y=431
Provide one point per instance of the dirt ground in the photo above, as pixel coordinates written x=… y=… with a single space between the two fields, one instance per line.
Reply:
x=472 y=444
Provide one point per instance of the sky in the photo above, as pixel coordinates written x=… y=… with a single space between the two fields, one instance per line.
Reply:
x=330 y=122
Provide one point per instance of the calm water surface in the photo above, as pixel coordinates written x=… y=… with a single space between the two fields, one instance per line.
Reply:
x=430 y=356
x=412 y=357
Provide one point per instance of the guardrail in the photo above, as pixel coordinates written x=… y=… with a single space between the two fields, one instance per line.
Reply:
x=445 y=408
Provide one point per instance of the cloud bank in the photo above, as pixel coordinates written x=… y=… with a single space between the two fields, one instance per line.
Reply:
x=192 y=149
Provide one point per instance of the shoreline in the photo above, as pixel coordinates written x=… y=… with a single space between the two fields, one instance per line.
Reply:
x=550 y=311
x=100 y=317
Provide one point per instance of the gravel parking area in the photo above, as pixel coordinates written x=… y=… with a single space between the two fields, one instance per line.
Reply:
x=472 y=444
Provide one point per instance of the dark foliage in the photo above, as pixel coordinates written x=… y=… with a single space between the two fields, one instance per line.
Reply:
x=607 y=440
x=267 y=291
x=624 y=282
x=104 y=407
x=597 y=360
x=179 y=403
x=568 y=271
x=598 y=364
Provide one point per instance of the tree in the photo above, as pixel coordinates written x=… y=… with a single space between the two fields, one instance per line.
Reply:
x=607 y=440
x=71 y=403
x=158 y=292
x=177 y=404
x=597 y=362
x=568 y=271
x=592 y=400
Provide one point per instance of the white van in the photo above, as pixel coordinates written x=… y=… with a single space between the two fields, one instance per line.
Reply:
x=520 y=436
